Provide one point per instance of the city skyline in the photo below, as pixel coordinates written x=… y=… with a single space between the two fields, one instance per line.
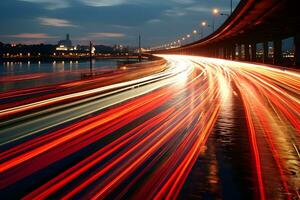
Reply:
x=104 y=22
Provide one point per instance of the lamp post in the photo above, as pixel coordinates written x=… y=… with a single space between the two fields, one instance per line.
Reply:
x=215 y=12
x=91 y=55
x=140 y=48
x=203 y=25
x=188 y=36
x=179 y=43
x=194 y=33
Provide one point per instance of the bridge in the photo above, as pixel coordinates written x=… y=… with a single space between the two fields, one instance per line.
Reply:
x=251 y=23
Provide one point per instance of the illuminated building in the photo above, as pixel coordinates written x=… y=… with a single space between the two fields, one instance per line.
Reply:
x=65 y=45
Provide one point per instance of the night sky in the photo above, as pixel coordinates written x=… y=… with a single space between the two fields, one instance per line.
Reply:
x=105 y=21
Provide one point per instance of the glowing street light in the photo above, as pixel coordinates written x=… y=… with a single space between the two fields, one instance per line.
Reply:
x=203 y=25
x=215 y=12
x=183 y=41
x=218 y=12
x=194 y=34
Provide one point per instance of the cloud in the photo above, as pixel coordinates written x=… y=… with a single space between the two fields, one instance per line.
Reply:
x=31 y=42
x=51 y=4
x=153 y=21
x=31 y=36
x=59 y=4
x=184 y=1
x=106 y=35
x=199 y=9
x=103 y=3
x=55 y=22
x=121 y=26
x=174 y=12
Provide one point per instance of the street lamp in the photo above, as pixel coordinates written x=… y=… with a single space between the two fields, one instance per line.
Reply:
x=203 y=25
x=194 y=33
x=179 y=42
x=188 y=37
x=183 y=41
x=215 y=12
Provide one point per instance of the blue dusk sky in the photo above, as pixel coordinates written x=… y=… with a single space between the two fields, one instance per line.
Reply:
x=105 y=21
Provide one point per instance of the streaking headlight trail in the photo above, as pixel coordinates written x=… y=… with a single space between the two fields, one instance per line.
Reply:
x=142 y=137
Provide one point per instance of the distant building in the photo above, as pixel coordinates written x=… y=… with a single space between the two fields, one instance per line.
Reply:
x=65 y=45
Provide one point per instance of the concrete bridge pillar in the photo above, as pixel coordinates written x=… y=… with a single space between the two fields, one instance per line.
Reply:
x=247 y=52
x=265 y=51
x=297 y=50
x=277 y=47
x=239 y=49
x=215 y=52
x=221 y=52
x=227 y=52
x=232 y=50
x=210 y=52
x=224 y=52
x=253 y=52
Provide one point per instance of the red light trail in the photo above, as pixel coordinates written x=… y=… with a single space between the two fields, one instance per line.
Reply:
x=104 y=137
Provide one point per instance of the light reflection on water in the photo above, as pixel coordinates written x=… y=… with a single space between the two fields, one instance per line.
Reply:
x=224 y=171
x=18 y=68
x=16 y=75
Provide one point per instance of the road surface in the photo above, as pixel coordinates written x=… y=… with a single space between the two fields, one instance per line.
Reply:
x=203 y=128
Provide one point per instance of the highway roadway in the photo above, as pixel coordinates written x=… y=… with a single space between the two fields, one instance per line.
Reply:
x=198 y=128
